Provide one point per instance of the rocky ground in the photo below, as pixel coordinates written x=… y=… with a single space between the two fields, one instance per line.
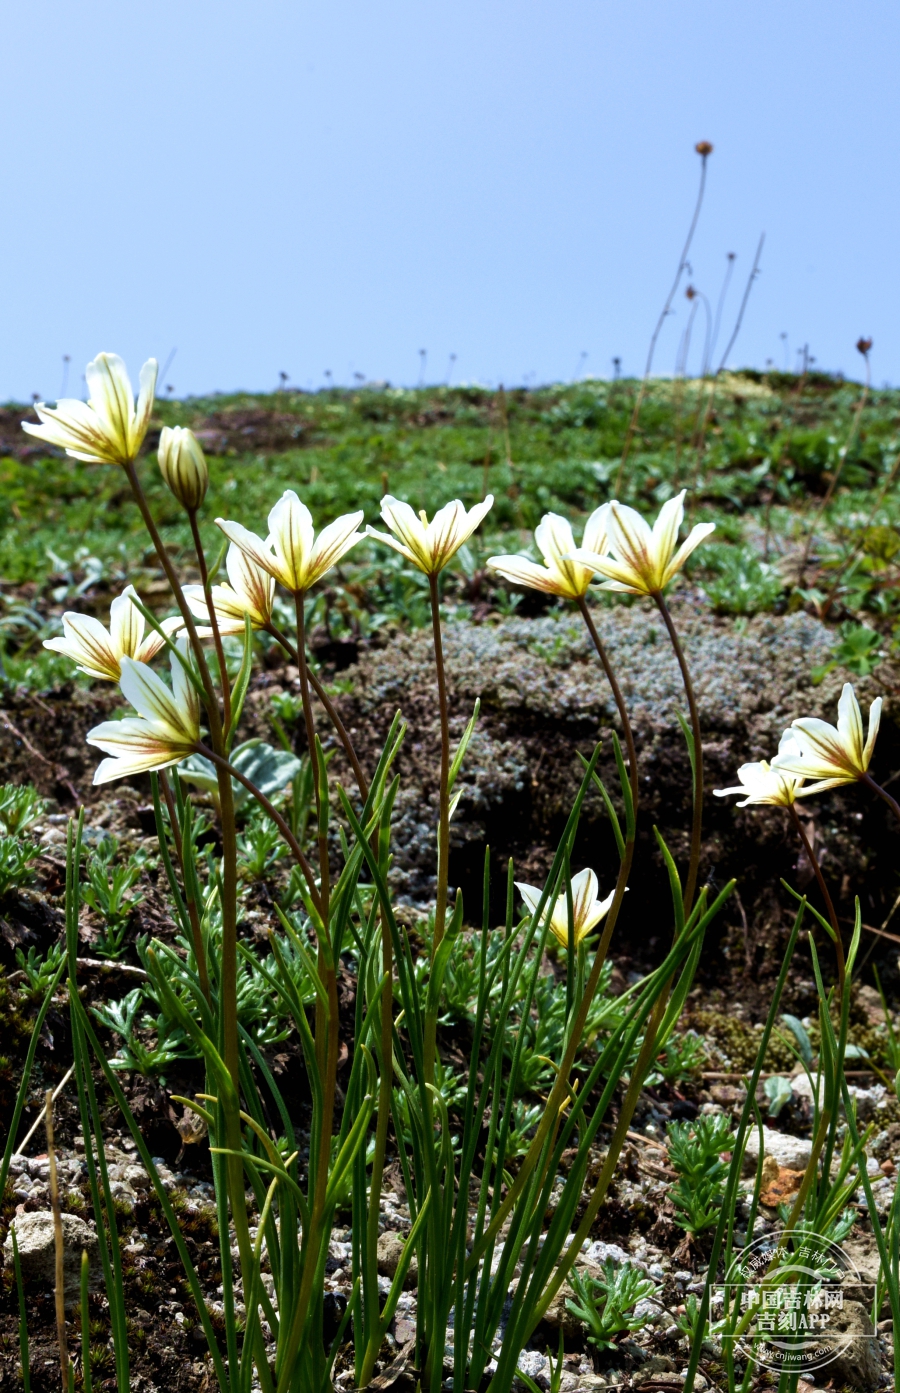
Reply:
x=543 y=700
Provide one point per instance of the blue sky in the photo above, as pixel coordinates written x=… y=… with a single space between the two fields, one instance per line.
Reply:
x=286 y=187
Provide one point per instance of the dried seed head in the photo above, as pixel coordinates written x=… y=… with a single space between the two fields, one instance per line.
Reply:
x=704 y=148
x=863 y=346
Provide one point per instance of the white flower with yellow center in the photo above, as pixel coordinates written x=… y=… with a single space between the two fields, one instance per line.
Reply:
x=832 y=755
x=165 y=731
x=107 y=428
x=559 y=575
x=98 y=651
x=587 y=910
x=760 y=782
x=252 y=591
x=292 y=554
x=644 y=560
x=429 y=545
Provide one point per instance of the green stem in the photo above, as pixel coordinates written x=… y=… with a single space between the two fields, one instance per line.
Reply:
x=440 y=909
x=330 y=710
x=213 y=618
x=303 y=668
x=697 y=820
x=189 y=901
x=617 y=698
x=829 y=906
x=228 y=972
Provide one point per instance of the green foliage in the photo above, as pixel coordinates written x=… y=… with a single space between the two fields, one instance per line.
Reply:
x=107 y=893
x=740 y=582
x=681 y=1058
x=695 y=1152
x=20 y=806
x=859 y=651
x=606 y=1304
x=15 y=863
x=40 y=970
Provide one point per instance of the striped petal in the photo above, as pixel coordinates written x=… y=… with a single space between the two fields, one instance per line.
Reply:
x=333 y=542
x=521 y=571
x=126 y=624
x=291 y=536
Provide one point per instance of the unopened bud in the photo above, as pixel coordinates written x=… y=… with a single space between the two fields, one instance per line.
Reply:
x=863 y=346
x=703 y=148
x=182 y=464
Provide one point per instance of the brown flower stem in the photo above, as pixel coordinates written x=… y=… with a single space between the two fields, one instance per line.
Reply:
x=829 y=906
x=697 y=821
x=330 y=710
x=190 y=902
x=213 y=618
x=632 y=424
x=59 y=1244
x=228 y=972
x=271 y=811
x=882 y=793
x=212 y=704
x=303 y=667
x=617 y=698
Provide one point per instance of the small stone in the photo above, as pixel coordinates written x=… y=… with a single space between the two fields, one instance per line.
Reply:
x=390 y=1251
x=37 y=1249
x=658 y=1364
x=857 y=1361
x=791 y=1153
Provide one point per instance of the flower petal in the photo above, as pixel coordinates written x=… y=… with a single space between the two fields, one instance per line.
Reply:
x=553 y=535
x=111 y=396
x=691 y=542
x=849 y=723
x=145 y=403
x=333 y=542
x=291 y=536
x=521 y=571
x=874 y=723
x=531 y=896
x=151 y=698
x=126 y=624
x=595 y=536
x=256 y=549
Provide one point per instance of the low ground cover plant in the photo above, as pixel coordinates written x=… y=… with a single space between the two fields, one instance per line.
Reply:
x=501 y=1196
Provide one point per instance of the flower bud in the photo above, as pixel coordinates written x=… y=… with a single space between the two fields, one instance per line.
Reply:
x=182 y=464
x=703 y=148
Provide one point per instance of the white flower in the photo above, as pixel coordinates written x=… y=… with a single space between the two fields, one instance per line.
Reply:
x=762 y=783
x=182 y=464
x=107 y=428
x=587 y=910
x=292 y=553
x=99 y=651
x=832 y=754
x=559 y=575
x=164 y=732
x=252 y=591
x=429 y=545
x=643 y=561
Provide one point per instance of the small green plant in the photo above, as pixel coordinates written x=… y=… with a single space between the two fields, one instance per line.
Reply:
x=107 y=894
x=606 y=1304
x=20 y=806
x=681 y=1058
x=260 y=848
x=15 y=863
x=121 y=1017
x=859 y=651
x=40 y=969
x=741 y=583
x=695 y=1151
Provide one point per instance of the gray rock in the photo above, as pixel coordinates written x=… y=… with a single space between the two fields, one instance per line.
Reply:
x=37 y=1249
x=857 y=1361
x=791 y=1152
x=390 y=1251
